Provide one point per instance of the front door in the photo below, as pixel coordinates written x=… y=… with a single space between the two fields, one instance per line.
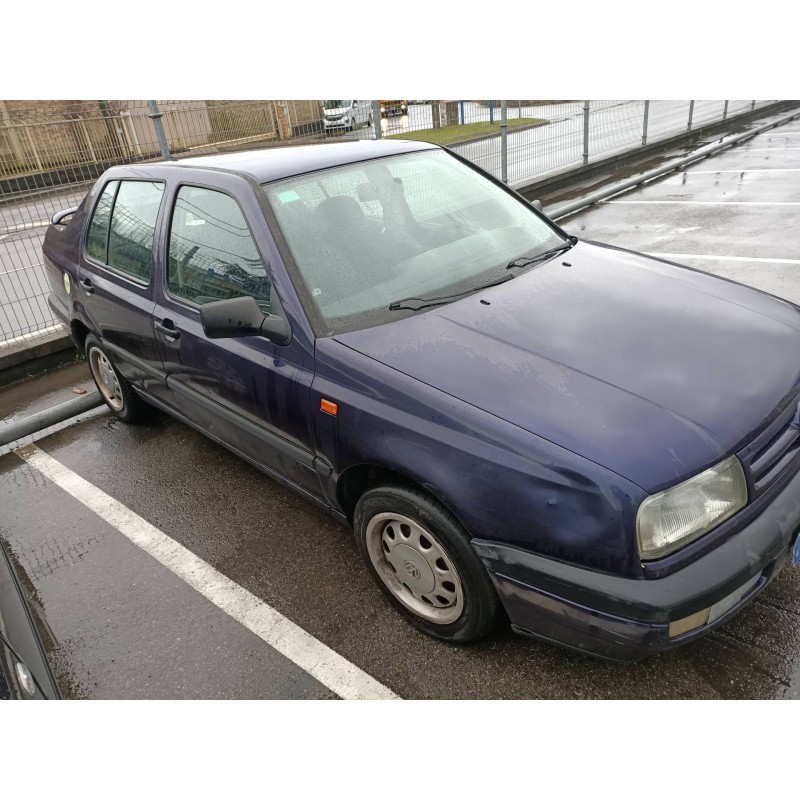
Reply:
x=249 y=393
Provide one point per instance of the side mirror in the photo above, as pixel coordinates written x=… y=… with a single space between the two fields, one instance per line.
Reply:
x=59 y=216
x=240 y=317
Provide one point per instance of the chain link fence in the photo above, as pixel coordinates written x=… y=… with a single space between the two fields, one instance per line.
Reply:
x=51 y=152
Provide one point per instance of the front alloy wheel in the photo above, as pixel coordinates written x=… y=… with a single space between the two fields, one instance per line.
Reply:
x=415 y=567
x=422 y=560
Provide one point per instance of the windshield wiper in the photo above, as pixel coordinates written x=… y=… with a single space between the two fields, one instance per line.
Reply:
x=524 y=261
x=418 y=303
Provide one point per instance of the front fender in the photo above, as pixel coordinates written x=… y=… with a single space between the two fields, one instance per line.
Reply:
x=502 y=482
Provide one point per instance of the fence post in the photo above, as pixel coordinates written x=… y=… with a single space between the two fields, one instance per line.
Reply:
x=725 y=110
x=644 y=127
x=13 y=137
x=491 y=112
x=282 y=117
x=585 y=131
x=156 y=115
x=753 y=106
x=461 y=110
x=691 y=114
x=504 y=139
x=377 y=124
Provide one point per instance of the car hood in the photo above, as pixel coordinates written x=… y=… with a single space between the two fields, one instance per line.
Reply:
x=651 y=370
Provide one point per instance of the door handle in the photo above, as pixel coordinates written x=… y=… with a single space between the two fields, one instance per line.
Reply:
x=87 y=286
x=169 y=331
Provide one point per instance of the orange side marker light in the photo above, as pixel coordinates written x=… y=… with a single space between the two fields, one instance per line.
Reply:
x=328 y=407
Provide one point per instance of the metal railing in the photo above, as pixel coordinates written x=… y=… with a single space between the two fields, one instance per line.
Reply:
x=51 y=152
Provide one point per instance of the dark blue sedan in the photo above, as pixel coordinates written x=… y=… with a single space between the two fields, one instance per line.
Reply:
x=600 y=446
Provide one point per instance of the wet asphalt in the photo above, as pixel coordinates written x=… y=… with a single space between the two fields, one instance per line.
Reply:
x=121 y=625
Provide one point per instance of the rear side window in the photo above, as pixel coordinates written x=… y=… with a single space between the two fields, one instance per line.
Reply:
x=212 y=255
x=122 y=229
x=97 y=240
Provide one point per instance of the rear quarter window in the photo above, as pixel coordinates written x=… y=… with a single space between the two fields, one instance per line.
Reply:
x=97 y=239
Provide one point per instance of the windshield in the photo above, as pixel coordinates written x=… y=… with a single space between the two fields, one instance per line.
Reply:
x=331 y=104
x=423 y=224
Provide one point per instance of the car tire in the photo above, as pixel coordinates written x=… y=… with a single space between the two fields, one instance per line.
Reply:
x=421 y=559
x=118 y=394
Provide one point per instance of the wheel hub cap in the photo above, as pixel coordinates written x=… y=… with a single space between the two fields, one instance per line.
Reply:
x=415 y=567
x=412 y=568
x=106 y=378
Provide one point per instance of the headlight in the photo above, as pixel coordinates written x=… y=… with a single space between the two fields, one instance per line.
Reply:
x=679 y=515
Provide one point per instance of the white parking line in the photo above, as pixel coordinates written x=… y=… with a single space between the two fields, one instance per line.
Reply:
x=766 y=149
x=740 y=171
x=703 y=202
x=311 y=655
x=676 y=256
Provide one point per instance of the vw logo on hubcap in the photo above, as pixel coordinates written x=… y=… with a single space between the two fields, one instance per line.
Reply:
x=412 y=571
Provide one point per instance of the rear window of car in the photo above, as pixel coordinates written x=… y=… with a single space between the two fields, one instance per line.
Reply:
x=122 y=228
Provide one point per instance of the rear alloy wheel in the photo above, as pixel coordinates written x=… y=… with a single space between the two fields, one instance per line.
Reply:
x=421 y=559
x=114 y=389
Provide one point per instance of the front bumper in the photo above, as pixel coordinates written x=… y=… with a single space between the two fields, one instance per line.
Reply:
x=330 y=124
x=626 y=618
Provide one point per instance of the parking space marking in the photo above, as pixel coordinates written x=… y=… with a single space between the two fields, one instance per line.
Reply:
x=767 y=149
x=701 y=202
x=740 y=171
x=676 y=256
x=317 y=659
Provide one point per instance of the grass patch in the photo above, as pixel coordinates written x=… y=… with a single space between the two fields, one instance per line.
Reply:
x=456 y=134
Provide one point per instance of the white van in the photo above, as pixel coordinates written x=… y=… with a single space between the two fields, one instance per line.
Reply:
x=347 y=114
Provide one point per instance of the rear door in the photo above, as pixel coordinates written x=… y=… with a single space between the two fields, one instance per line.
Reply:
x=250 y=393
x=115 y=279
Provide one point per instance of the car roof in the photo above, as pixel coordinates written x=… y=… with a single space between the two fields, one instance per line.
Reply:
x=274 y=163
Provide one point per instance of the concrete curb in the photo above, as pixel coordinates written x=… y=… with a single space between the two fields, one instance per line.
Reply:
x=36 y=356
x=50 y=416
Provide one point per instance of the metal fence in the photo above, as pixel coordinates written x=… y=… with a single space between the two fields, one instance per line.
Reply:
x=51 y=152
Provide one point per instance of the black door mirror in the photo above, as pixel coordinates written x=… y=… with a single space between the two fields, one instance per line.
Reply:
x=239 y=317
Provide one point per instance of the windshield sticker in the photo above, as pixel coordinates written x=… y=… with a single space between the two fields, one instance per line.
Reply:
x=288 y=197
